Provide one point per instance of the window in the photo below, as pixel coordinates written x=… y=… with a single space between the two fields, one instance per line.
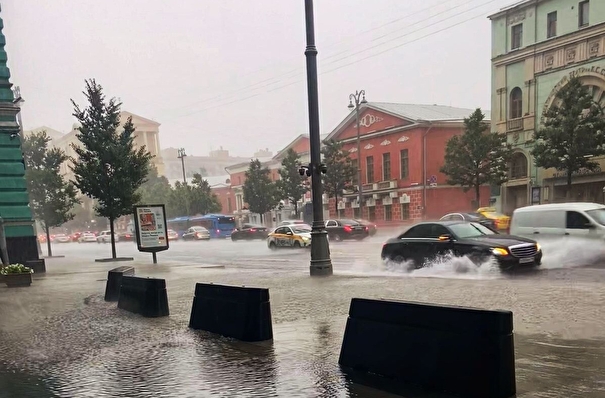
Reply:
x=369 y=169
x=331 y=223
x=372 y=213
x=356 y=212
x=518 y=168
x=230 y=209
x=517 y=36
x=404 y=163
x=576 y=220
x=584 y=10
x=551 y=24
x=388 y=212
x=405 y=211
x=386 y=166
x=516 y=103
x=356 y=177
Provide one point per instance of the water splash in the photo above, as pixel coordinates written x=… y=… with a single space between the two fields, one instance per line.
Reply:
x=570 y=252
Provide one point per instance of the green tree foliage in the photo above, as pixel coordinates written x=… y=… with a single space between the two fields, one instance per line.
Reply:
x=108 y=167
x=476 y=157
x=156 y=190
x=259 y=191
x=292 y=185
x=573 y=133
x=340 y=170
x=201 y=199
x=51 y=197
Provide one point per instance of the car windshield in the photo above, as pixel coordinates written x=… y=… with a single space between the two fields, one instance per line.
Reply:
x=301 y=229
x=470 y=230
x=598 y=215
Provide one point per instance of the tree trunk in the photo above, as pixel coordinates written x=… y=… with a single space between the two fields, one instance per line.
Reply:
x=296 y=209
x=336 y=205
x=48 y=245
x=568 y=193
x=261 y=218
x=478 y=194
x=113 y=240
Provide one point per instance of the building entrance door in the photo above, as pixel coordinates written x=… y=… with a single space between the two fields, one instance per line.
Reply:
x=515 y=197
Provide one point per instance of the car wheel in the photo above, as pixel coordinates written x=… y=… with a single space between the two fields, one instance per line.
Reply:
x=272 y=246
x=398 y=259
x=296 y=245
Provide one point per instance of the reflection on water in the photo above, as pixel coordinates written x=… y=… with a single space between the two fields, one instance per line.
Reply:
x=99 y=351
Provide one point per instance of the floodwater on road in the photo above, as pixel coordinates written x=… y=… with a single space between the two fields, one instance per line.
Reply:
x=58 y=338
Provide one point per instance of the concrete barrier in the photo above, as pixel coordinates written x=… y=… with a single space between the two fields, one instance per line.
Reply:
x=114 y=281
x=462 y=351
x=144 y=296
x=243 y=313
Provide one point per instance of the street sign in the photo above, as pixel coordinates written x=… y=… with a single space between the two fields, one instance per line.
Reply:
x=150 y=229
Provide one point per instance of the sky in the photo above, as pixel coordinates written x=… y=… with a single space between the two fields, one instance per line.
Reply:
x=231 y=73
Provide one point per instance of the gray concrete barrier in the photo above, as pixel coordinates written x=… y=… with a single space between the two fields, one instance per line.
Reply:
x=144 y=296
x=243 y=313
x=114 y=281
x=462 y=351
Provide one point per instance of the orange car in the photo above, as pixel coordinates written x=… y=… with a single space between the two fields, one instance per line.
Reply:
x=501 y=221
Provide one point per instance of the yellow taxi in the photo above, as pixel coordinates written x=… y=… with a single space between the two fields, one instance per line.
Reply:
x=290 y=236
x=501 y=221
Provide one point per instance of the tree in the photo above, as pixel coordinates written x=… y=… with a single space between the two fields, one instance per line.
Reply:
x=51 y=197
x=291 y=185
x=340 y=170
x=108 y=167
x=477 y=157
x=573 y=132
x=259 y=191
x=156 y=190
x=201 y=198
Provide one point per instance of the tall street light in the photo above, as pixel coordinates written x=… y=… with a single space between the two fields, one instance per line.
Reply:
x=359 y=98
x=181 y=155
x=321 y=264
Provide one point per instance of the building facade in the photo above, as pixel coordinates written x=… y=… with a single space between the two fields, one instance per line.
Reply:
x=537 y=46
x=402 y=148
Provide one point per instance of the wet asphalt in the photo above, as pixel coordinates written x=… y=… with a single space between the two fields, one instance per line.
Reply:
x=58 y=338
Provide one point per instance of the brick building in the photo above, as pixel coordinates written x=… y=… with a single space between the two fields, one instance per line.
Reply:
x=402 y=150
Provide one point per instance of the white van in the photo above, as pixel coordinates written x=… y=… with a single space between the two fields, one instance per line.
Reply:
x=581 y=220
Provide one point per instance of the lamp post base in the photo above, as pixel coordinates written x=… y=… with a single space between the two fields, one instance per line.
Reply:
x=321 y=265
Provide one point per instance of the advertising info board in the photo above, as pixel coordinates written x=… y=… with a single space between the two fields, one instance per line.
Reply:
x=150 y=228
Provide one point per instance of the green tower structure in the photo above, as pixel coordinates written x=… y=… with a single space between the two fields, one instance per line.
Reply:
x=15 y=212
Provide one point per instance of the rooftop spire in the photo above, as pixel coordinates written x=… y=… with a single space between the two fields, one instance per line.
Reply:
x=6 y=94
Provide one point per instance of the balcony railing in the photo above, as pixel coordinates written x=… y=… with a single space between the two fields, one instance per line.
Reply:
x=367 y=187
x=514 y=124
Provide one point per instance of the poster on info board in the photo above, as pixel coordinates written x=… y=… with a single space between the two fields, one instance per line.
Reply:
x=150 y=225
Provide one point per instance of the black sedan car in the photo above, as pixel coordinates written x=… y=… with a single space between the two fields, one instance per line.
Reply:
x=471 y=217
x=249 y=232
x=346 y=229
x=372 y=228
x=426 y=241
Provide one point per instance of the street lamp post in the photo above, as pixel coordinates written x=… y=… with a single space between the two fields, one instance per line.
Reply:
x=321 y=264
x=181 y=155
x=360 y=98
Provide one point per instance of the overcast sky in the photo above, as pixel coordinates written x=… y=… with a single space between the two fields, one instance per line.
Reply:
x=231 y=73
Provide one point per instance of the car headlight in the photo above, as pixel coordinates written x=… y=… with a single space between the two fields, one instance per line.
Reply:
x=538 y=247
x=499 y=251
x=305 y=239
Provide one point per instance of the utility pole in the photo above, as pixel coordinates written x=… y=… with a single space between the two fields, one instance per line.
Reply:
x=360 y=98
x=321 y=264
x=181 y=155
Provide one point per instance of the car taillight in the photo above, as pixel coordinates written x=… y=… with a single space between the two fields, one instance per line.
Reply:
x=367 y=228
x=218 y=231
x=252 y=230
x=347 y=228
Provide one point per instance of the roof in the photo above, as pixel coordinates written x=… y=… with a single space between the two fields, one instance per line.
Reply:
x=517 y=5
x=135 y=116
x=428 y=113
x=561 y=206
x=50 y=132
x=212 y=180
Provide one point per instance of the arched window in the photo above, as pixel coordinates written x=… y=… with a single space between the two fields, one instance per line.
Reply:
x=518 y=167
x=516 y=103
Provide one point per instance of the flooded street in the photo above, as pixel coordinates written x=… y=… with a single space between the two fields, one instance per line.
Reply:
x=59 y=338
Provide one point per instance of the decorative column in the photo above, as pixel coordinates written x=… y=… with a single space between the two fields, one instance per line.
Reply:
x=14 y=198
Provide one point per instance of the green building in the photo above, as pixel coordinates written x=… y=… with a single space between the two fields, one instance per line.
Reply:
x=14 y=199
x=537 y=45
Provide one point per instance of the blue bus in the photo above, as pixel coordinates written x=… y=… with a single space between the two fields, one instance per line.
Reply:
x=219 y=225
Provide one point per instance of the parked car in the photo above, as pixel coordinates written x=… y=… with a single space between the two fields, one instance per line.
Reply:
x=472 y=217
x=62 y=238
x=87 y=237
x=172 y=235
x=501 y=221
x=75 y=237
x=558 y=220
x=197 y=233
x=372 y=228
x=425 y=241
x=346 y=229
x=290 y=236
x=126 y=237
x=249 y=232
x=105 y=237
